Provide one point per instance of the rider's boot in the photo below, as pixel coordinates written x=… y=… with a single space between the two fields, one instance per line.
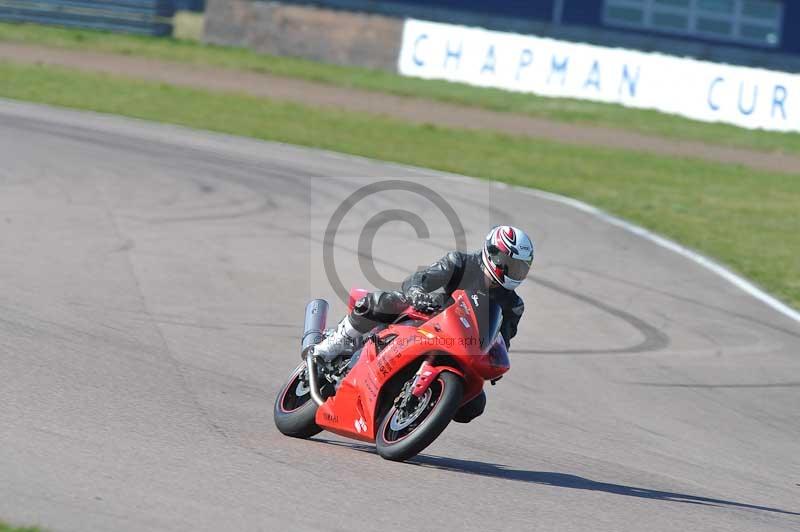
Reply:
x=343 y=340
x=471 y=410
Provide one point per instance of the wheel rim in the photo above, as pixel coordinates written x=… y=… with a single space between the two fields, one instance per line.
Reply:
x=402 y=419
x=296 y=393
x=302 y=389
x=402 y=424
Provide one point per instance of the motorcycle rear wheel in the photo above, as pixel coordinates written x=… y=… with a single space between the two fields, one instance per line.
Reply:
x=295 y=412
x=404 y=434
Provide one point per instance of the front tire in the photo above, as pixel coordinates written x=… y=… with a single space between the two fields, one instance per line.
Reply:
x=404 y=434
x=295 y=412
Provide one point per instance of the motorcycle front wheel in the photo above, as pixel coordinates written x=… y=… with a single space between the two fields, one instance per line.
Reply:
x=295 y=411
x=405 y=432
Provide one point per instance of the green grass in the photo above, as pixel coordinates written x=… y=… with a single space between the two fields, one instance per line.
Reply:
x=8 y=528
x=747 y=219
x=565 y=110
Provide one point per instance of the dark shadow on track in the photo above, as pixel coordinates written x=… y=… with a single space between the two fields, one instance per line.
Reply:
x=563 y=480
x=559 y=480
x=715 y=386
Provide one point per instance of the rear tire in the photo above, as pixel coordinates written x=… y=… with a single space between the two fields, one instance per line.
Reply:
x=438 y=405
x=295 y=412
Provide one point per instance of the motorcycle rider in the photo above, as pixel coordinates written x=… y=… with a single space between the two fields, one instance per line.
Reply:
x=496 y=270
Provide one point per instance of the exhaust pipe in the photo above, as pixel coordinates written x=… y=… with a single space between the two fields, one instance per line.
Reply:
x=313 y=386
x=313 y=333
x=314 y=327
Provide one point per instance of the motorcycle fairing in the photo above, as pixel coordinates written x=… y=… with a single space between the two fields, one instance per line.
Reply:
x=352 y=412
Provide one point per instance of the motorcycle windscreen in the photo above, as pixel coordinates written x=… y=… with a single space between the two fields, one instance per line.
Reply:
x=498 y=354
x=490 y=318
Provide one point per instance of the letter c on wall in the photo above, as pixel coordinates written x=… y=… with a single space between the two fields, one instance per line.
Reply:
x=711 y=104
x=417 y=60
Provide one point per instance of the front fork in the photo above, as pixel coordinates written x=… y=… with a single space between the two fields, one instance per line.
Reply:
x=423 y=378
x=427 y=373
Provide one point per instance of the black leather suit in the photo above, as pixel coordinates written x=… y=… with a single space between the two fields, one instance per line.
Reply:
x=454 y=271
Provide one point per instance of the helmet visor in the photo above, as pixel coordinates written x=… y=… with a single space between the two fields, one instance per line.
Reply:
x=516 y=269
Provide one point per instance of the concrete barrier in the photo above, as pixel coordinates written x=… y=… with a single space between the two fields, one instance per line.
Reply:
x=327 y=35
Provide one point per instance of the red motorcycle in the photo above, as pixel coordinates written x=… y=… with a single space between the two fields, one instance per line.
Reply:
x=403 y=387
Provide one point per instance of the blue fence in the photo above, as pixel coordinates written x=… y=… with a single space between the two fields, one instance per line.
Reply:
x=190 y=5
x=150 y=17
x=542 y=9
x=428 y=9
x=503 y=15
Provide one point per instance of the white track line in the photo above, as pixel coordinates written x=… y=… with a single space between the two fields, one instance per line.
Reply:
x=733 y=278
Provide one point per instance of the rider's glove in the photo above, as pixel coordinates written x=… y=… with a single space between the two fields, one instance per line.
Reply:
x=423 y=301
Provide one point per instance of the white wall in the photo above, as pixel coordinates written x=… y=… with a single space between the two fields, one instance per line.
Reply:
x=747 y=97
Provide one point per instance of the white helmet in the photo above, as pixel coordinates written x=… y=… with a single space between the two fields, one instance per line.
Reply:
x=507 y=255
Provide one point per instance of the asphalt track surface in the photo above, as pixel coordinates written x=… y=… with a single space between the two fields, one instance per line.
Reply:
x=153 y=283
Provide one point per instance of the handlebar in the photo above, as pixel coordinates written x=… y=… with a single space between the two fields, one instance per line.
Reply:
x=415 y=314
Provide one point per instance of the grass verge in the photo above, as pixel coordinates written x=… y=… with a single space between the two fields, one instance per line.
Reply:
x=565 y=110
x=747 y=219
x=8 y=528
